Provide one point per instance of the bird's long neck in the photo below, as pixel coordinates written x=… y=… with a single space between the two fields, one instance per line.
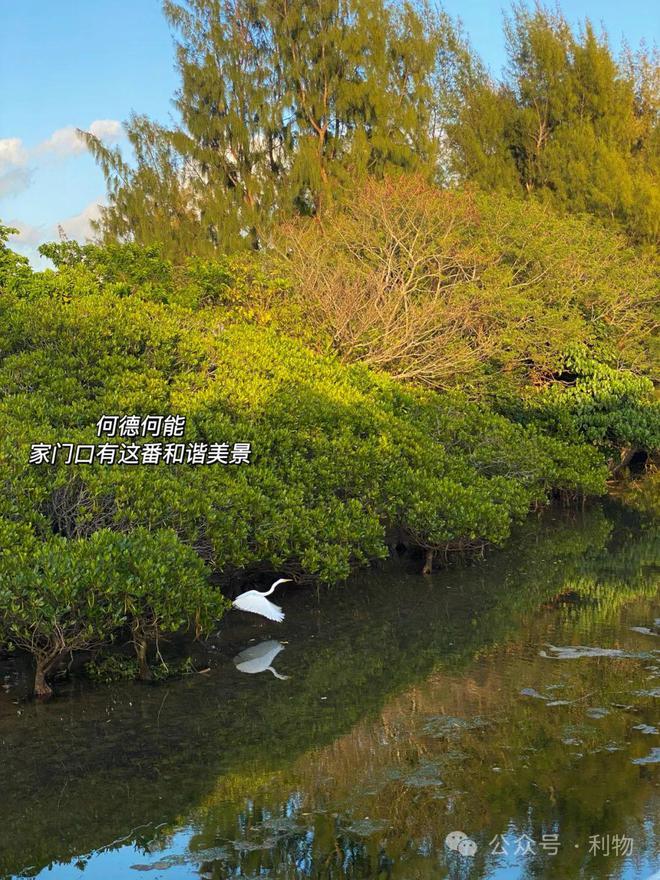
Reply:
x=268 y=592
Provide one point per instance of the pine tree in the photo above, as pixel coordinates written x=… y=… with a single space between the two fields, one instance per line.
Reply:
x=150 y=200
x=570 y=123
x=282 y=103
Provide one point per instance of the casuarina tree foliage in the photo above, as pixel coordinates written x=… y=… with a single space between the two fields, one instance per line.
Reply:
x=280 y=105
x=569 y=123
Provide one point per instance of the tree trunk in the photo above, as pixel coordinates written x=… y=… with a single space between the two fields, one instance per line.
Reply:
x=627 y=455
x=428 y=562
x=144 y=672
x=42 y=689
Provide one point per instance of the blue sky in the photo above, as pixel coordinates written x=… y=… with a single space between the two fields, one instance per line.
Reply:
x=79 y=62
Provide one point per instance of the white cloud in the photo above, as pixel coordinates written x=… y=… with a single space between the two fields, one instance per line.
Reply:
x=63 y=142
x=108 y=130
x=29 y=237
x=14 y=181
x=67 y=142
x=80 y=225
x=12 y=152
x=27 y=234
x=16 y=176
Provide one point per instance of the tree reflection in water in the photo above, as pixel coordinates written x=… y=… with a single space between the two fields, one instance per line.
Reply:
x=416 y=707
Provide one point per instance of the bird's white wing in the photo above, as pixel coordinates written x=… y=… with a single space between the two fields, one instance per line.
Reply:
x=254 y=602
x=271 y=611
x=258 y=658
x=267 y=650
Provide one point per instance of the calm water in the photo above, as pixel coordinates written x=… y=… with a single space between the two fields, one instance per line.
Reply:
x=514 y=701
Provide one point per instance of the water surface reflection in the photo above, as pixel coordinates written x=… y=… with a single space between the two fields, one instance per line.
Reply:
x=514 y=701
x=259 y=658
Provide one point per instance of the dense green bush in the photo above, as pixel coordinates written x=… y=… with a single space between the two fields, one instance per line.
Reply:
x=247 y=287
x=339 y=453
x=344 y=460
x=60 y=595
x=614 y=410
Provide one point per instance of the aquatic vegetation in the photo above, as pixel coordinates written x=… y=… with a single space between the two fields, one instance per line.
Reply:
x=345 y=459
x=63 y=595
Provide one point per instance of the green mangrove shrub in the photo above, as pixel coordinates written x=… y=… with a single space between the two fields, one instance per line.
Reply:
x=63 y=595
x=345 y=460
x=615 y=410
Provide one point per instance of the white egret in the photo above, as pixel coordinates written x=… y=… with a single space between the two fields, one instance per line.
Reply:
x=257 y=602
x=259 y=658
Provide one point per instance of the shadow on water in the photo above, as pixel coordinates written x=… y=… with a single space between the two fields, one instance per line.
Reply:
x=393 y=710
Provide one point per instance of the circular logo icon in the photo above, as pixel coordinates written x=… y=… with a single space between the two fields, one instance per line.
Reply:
x=459 y=842
x=467 y=847
x=453 y=839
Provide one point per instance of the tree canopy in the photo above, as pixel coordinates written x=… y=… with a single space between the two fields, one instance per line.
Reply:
x=569 y=123
x=280 y=105
x=283 y=106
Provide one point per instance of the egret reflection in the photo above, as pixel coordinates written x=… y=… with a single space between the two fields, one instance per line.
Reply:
x=256 y=603
x=259 y=658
